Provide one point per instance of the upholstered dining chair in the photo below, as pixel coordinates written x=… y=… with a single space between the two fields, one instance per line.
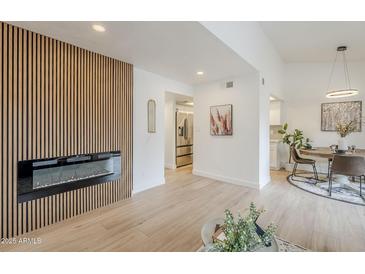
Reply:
x=351 y=166
x=299 y=160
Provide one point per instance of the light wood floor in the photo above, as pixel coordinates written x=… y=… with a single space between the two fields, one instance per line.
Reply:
x=169 y=218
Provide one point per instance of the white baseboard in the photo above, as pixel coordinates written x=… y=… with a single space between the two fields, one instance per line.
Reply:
x=170 y=166
x=266 y=182
x=135 y=191
x=226 y=179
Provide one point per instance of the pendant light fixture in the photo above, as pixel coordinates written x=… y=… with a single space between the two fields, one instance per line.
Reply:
x=347 y=91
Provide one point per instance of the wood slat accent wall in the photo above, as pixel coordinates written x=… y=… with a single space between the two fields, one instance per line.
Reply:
x=59 y=100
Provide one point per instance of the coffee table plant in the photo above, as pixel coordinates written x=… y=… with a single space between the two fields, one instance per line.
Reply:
x=243 y=234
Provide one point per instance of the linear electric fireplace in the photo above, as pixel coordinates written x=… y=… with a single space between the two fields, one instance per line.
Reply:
x=45 y=177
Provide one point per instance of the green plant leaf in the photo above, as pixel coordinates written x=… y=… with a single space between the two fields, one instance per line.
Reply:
x=241 y=235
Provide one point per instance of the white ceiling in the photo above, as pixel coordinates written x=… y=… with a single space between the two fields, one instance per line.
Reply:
x=173 y=49
x=316 y=41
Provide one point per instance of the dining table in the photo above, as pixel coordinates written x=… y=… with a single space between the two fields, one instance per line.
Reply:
x=328 y=153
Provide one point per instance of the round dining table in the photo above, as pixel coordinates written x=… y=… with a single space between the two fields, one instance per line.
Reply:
x=326 y=152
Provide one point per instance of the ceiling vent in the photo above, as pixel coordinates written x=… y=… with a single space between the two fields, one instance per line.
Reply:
x=229 y=84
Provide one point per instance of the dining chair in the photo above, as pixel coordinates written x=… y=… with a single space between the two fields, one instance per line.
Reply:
x=209 y=229
x=299 y=160
x=351 y=166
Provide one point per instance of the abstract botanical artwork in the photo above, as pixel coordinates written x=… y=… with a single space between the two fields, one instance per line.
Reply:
x=340 y=112
x=221 y=120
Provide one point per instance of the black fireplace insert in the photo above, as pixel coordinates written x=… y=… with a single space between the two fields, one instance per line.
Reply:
x=46 y=177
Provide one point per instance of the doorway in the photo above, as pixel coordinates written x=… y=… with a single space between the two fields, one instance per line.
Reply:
x=179 y=140
x=276 y=121
x=183 y=134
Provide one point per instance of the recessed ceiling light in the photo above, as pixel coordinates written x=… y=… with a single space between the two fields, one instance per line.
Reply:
x=200 y=73
x=98 y=28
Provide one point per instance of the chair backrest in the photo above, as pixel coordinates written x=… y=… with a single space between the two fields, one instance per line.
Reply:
x=208 y=230
x=348 y=165
x=294 y=154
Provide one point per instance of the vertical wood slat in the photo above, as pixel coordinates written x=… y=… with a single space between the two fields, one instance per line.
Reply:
x=36 y=206
x=59 y=100
x=5 y=132
x=1 y=128
x=10 y=126
x=19 y=80
x=16 y=120
x=29 y=136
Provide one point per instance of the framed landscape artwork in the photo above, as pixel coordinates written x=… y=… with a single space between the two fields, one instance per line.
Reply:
x=221 y=120
x=340 y=112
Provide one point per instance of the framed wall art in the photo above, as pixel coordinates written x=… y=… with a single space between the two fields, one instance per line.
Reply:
x=221 y=120
x=340 y=112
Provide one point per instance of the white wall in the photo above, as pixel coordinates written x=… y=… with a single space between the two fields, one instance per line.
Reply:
x=170 y=108
x=249 y=41
x=148 y=148
x=305 y=88
x=233 y=159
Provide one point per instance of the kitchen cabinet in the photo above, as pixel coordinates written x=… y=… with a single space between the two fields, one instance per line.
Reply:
x=274 y=154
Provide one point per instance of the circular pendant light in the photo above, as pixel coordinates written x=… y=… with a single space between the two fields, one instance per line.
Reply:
x=348 y=91
x=342 y=93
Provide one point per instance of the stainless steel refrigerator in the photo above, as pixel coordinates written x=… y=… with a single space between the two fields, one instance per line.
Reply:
x=184 y=138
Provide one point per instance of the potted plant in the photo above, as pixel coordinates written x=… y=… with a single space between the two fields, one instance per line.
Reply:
x=295 y=138
x=344 y=129
x=244 y=234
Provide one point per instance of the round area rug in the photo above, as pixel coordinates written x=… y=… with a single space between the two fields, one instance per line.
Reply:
x=349 y=192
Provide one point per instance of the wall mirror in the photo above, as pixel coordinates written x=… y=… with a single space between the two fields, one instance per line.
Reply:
x=151 y=116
